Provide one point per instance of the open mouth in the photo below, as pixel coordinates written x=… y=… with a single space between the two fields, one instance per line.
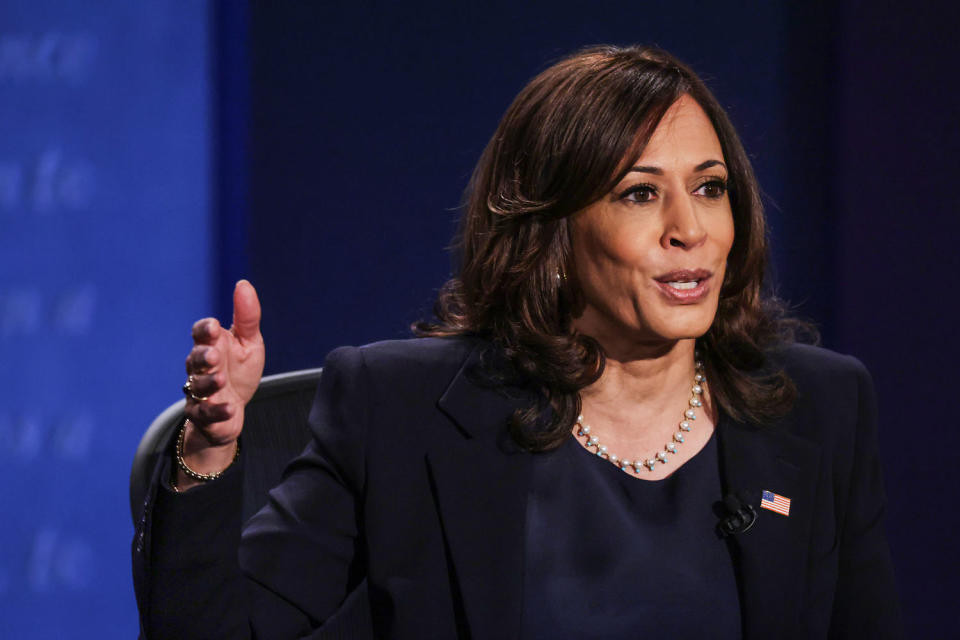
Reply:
x=685 y=286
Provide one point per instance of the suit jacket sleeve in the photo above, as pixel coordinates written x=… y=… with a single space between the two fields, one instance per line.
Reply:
x=866 y=603
x=297 y=559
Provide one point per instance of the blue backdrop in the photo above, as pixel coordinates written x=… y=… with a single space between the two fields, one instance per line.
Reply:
x=104 y=259
x=154 y=153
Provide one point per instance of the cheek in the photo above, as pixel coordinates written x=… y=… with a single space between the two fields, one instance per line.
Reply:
x=613 y=271
x=615 y=257
x=723 y=240
x=724 y=234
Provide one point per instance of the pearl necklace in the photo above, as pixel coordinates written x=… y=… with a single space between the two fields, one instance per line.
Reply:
x=696 y=392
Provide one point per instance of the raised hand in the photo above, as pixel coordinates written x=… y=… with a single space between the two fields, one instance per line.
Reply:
x=224 y=368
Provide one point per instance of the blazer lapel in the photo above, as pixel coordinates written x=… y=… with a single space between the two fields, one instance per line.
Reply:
x=772 y=555
x=480 y=481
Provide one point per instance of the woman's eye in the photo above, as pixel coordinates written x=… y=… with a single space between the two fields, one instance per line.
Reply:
x=713 y=189
x=639 y=193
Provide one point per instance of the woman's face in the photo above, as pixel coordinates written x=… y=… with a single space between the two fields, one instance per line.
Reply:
x=650 y=256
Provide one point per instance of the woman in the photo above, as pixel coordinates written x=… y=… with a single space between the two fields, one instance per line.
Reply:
x=607 y=431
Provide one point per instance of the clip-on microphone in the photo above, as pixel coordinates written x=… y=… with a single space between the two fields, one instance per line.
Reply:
x=740 y=515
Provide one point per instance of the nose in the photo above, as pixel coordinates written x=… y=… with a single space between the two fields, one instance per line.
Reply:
x=681 y=224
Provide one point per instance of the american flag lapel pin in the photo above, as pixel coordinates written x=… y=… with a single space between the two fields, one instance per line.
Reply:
x=775 y=502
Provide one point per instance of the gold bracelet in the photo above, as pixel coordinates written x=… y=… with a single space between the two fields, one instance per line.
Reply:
x=201 y=477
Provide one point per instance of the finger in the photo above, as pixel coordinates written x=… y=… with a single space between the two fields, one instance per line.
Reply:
x=203 y=414
x=206 y=331
x=204 y=386
x=246 y=311
x=202 y=359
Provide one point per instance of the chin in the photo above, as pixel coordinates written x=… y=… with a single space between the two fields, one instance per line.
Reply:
x=682 y=328
x=661 y=324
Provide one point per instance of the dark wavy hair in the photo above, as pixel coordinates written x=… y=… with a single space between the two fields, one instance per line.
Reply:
x=568 y=138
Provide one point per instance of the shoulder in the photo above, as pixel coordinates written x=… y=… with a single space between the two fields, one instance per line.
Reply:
x=379 y=396
x=420 y=352
x=807 y=359
x=835 y=393
x=387 y=378
x=815 y=368
x=400 y=362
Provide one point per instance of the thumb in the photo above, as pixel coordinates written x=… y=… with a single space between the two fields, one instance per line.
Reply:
x=246 y=311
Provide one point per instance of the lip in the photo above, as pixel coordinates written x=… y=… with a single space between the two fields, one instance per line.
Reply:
x=685 y=296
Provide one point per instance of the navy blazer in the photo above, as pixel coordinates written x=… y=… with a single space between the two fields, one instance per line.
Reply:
x=412 y=488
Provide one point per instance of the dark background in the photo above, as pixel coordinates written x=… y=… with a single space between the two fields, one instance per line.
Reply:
x=366 y=121
x=153 y=153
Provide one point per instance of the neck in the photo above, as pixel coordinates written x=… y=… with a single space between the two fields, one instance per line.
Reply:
x=641 y=383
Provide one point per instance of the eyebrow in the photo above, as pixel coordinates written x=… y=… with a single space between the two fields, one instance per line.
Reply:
x=657 y=171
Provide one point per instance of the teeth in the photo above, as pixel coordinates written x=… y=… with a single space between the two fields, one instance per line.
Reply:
x=684 y=285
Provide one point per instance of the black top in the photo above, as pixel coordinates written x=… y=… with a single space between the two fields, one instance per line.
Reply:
x=653 y=562
x=411 y=502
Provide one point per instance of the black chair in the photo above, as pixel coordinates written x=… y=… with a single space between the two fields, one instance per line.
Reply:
x=274 y=432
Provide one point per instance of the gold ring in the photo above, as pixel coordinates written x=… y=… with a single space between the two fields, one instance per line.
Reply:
x=188 y=390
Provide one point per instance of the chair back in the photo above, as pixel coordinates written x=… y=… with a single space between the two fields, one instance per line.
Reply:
x=274 y=432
